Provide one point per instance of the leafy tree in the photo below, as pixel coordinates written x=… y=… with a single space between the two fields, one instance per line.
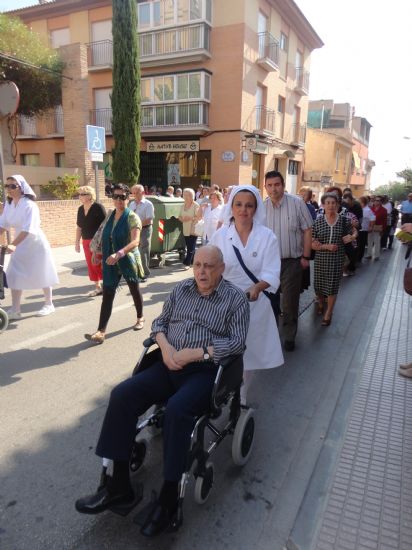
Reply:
x=406 y=175
x=39 y=89
x=126 y=92
x=396 y=190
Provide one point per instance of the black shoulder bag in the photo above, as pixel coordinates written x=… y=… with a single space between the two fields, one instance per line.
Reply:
x=274 y=298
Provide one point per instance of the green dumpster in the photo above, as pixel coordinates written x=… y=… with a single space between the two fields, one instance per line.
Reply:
x=167 y=229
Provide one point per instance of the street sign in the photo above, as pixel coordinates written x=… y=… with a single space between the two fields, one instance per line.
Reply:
x=96 y=139
x=96 y=157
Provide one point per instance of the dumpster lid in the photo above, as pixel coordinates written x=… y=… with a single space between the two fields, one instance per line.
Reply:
x=170 y=206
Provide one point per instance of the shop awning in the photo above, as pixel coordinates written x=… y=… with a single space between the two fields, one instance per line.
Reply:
x=284 y=153
x=356 y=159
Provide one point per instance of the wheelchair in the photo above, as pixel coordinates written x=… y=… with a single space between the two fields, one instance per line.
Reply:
x=240 y=425
x=4 y=318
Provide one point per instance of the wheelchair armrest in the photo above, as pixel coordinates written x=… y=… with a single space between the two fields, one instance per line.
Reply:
x=226 y=361
x=148 y=343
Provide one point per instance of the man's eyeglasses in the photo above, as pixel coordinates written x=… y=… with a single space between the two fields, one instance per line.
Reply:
x=11 y=186
x=119 y=197
x=84 y=194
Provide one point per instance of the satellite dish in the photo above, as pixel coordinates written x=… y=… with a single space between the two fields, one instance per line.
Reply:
x=9 y=98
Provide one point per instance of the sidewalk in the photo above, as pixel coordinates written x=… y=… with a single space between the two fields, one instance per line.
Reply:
x=65 y=258
x=366 y=500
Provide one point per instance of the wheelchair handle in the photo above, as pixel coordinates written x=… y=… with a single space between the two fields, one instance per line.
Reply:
x=149 y=342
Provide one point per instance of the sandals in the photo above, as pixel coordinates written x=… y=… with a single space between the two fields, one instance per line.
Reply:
x=98 y=337
x=95 y=292
x=139 y=324
x=319 y=308
x=326 y=322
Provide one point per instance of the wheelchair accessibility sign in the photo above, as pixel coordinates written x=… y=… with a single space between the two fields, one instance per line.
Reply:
x=96 y=139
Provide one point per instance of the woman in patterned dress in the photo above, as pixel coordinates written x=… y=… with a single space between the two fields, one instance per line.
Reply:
x=330 y=233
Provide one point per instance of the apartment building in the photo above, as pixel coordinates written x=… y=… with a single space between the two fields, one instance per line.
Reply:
x=337 y=148
x=224 y=89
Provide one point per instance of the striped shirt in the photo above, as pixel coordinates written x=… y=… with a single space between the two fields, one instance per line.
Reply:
x=288 y=220
x=190 y=320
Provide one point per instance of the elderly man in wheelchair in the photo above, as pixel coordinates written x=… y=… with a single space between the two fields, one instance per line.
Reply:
x=196 y=369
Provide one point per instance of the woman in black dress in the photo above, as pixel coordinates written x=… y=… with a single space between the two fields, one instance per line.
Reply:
x=89 y=217
x=330 y=233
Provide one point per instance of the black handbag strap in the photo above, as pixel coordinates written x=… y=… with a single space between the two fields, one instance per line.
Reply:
x=242 y=263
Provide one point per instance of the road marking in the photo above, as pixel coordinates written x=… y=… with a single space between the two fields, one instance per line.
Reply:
x=43 y=337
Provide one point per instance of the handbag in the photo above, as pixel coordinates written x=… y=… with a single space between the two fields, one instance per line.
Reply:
x=407 y=276
x=273 y=298
x=199 y=228
x=96 y=243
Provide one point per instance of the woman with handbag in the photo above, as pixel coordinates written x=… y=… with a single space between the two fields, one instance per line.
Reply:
x=89 y=217
x=189 y=215
x=252 y=262
x=120 y=237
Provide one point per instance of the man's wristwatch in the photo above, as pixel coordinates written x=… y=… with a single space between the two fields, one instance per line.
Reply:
x=206 y=354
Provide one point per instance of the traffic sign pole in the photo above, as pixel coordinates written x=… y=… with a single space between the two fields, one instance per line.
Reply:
x=96 y=180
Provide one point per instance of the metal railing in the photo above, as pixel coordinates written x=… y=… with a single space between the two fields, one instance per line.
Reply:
x=174 y=41
x=100 y=54
x=27 y=126
x=298 y=133
x=302 y=79
x=268 y=47
x=175 y=115
x=102 y=117
x=264 y=119
x=54 y=123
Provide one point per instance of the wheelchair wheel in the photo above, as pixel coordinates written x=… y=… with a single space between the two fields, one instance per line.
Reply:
x=242 y=443
x=4 y=320
x=138 y=455
x=204 y=484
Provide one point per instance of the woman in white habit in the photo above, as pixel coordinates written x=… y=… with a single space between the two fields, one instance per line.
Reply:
x=31 y=264
x=259 y=250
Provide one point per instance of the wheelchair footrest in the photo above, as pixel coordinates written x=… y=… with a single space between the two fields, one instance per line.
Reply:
x=125 y=509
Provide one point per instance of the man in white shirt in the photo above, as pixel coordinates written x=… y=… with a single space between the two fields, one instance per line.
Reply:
x=145 y=210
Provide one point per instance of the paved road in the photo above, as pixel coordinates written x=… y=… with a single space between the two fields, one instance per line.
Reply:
x=54 y=388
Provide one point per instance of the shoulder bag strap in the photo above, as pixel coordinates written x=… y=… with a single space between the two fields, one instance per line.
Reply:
x=242 y=263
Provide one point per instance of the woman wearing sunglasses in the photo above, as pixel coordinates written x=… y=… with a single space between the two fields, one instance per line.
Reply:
x=89 y=217
x=121 y=235
x=31 y=264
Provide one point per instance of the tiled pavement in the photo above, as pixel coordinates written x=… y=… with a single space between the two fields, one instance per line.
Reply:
x=369 y=502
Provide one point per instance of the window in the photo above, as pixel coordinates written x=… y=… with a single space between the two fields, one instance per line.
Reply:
x=148 y=15
x=195 y=9
x=283 y=42
x=59 y=160
x=146 y=90
x=281 y=115
x=164 y=88
x=30 y=159
x=337 y=159
x=293 y=168
x=59 y=37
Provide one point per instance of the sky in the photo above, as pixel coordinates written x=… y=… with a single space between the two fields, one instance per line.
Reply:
x=366 y=61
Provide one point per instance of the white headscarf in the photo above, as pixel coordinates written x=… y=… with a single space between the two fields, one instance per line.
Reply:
x=260 y=215
x=24 y=186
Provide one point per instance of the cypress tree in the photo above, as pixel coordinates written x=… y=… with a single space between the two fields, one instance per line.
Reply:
x=126 y=93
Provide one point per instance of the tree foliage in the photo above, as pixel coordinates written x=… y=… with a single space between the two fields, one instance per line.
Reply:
x=396 y=190
x=125 y=93
x=39 y=90
x=406 y=175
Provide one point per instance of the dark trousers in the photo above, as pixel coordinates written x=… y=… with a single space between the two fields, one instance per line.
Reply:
x=385 y=236
x=362 y=240
x=190 y=249
x=352 y=255
x=188 y=395
x=108 y=297
x=290 y=283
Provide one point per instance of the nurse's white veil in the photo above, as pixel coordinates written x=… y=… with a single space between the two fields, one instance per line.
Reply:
x=260 y=214
x=24 y=186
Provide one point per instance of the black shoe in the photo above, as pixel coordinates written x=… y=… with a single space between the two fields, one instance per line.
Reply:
x=142 y=279
x=102 y=500
x=158 y=520
x=289 y=345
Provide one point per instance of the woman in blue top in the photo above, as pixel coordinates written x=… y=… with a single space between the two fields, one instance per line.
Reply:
x=120 y=237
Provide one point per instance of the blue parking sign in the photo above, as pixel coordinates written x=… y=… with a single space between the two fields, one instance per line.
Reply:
x=96 y=139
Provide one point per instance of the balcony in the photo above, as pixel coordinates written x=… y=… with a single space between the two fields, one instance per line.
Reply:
x=268 y=52
x=54 y=124
x=102 y=117
x=298 y=134
x=301 y=81
x=264 y=121
x=100 y=55
x=27 y=127
x=186 y=44
x=180 y=118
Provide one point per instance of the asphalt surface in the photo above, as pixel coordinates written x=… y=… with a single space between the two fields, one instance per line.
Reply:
x=54 y=387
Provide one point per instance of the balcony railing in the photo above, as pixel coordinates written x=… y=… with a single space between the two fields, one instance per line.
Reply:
x=172 y=44
x=27 y=126
x=175 y=115
x=100 y=54
x=268 y=51
x=264 y=120
x=302 y=81
x=102 y=117
x=298 y=134
x=54 y=123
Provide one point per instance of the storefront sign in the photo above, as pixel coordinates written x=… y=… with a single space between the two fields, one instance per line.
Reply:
x=172 y=146
x=228 y=156
x=251 y=143
x=261 y=148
